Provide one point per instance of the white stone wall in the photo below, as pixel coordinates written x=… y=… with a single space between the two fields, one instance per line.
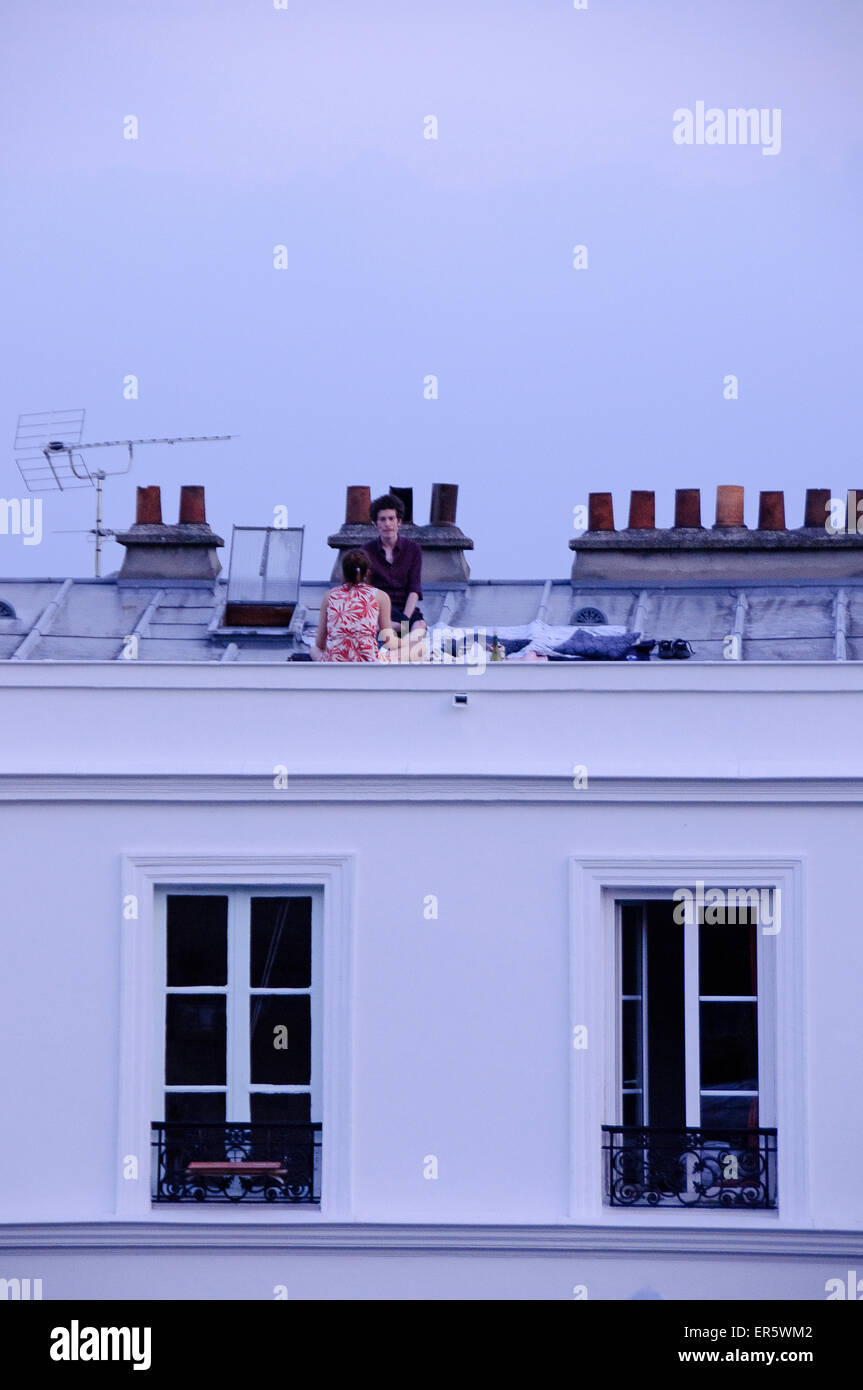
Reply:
x=460 y=1026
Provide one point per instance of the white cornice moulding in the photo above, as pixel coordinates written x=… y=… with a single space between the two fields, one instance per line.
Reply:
x=758 y=1243
x=415 y=786
x=623 y=678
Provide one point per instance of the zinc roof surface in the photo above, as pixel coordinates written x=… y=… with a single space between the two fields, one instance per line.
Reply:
x=89 y=620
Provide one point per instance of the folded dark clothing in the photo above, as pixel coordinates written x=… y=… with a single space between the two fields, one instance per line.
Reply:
x=585 y=656
x=611 y=646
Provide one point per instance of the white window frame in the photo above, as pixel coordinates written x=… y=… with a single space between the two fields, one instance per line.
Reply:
x=145 y=880
x=596 y=885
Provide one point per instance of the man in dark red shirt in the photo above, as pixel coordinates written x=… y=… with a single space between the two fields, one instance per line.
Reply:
x=396 y=563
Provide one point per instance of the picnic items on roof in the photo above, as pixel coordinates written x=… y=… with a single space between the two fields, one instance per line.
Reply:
x=538 y=639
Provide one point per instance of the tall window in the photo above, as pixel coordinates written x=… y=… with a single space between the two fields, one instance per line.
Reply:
x=239 y=1056
x=689 y=1019
x=695 y=1082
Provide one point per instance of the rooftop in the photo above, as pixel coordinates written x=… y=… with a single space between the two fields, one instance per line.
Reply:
x=92 y=619
x=767 y=595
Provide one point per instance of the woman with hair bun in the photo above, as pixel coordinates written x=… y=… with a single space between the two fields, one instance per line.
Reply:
x=353 y=615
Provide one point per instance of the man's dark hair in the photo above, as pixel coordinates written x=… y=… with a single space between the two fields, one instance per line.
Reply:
x=387 y=503
x=355 y=567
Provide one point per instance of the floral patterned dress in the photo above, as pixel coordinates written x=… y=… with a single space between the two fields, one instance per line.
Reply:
x=352 y=624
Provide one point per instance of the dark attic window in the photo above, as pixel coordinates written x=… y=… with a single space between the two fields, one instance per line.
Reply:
x=6 y=609
x=592 y=617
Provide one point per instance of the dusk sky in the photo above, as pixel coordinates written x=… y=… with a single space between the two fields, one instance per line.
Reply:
x=305 y=127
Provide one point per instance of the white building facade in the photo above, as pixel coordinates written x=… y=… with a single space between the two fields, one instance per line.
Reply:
x=439 y=942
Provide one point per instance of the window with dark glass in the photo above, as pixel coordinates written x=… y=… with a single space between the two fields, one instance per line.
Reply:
x=238 y=1090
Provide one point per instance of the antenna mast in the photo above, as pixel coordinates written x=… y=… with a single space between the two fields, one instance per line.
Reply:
x=50 y=459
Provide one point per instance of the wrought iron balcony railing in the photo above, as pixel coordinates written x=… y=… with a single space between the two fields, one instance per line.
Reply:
x=241 y=1162
x=732 y=1168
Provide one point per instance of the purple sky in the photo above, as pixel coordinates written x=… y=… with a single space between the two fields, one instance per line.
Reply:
x=409 y=256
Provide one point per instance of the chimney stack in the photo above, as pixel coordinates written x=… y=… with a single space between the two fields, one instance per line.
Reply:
x=442 y=543
x=159 y=552
x=727 y=552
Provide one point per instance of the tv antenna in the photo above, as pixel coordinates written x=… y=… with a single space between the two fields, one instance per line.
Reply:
x=49 y=455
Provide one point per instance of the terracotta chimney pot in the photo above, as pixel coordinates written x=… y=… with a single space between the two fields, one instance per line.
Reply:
x=854 y=512
x=406 y=497
x=729 y=505
x=771 y=511
x=357 y=506
x=192 y=511
x=642 y=511
x=687 y=507
x=600 y=512
x=817 y=507
x=444 y=500
x=148 y=509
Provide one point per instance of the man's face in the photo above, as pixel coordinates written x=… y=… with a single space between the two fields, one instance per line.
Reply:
x=388 y=524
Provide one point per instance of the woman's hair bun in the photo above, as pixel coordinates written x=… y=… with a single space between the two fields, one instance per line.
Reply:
x=355 y=566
